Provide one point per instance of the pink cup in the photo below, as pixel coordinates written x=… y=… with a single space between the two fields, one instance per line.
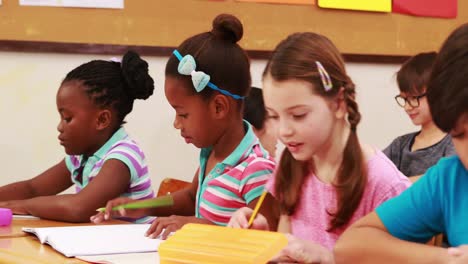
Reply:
x=5 y=216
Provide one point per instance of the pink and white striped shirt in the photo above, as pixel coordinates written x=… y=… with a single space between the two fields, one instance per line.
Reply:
x=235 y=182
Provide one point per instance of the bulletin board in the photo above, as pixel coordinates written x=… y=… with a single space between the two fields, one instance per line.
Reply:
x=158 y=25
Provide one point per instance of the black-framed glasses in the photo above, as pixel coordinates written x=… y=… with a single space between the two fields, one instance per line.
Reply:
x=413 y=101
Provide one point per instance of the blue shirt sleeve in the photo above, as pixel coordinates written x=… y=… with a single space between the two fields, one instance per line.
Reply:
x=416 y=215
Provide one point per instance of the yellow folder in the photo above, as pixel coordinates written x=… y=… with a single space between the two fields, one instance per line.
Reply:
x=209 y=244
x=365 y=5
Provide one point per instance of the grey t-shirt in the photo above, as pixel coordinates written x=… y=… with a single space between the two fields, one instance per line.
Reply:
x=412 y=163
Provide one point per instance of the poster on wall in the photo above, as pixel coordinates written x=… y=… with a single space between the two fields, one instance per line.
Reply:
x=116 y=4
x=363 y=5
x=426 y=8
x=291 y=2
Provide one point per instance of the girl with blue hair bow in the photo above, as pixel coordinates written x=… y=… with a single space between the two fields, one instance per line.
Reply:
x=207 y=78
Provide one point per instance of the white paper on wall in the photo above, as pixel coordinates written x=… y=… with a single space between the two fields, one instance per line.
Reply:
x=118 y=4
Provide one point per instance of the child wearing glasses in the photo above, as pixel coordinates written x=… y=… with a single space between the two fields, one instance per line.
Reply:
x=437 y=203
x=415 y=152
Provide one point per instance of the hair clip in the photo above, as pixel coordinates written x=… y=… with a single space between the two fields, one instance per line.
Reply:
x=200 y=80
x=326 y=81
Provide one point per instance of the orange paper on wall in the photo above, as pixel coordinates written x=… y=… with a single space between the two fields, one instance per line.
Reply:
x=293 y=2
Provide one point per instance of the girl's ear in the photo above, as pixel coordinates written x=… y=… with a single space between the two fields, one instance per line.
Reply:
x=340 y=108
x=103 y=119
x=219 y=106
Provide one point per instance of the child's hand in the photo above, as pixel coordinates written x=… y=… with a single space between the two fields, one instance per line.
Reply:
x=302 y=251
x=458 y=255
x=109 y=213
x=162 y=227
x=240 y=219
x=16 y=206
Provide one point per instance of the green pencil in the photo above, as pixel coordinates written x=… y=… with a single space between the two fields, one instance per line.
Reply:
x=155 y=202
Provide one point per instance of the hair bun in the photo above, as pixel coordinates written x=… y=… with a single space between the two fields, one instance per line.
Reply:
x=227 y=27
x=140 y=85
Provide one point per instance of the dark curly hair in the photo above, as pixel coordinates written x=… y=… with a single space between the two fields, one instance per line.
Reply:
x=115 y=84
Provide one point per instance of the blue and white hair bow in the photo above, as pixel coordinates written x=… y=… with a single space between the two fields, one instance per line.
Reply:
x=200 y=80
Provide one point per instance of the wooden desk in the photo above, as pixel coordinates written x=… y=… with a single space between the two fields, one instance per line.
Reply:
x=19 y=247
x=28 y=249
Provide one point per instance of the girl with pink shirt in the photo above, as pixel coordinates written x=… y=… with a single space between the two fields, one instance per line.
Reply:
x=326 y=179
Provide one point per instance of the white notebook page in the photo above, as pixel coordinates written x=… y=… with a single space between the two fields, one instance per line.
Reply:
x=97 y=239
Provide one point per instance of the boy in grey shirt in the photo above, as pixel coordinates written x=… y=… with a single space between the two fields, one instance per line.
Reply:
x=414 y=153
x=412 y=163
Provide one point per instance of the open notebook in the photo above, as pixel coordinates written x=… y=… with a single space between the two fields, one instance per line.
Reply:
x=96 y=239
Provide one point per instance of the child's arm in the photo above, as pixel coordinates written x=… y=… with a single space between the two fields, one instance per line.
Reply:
x=416 y=215
x=184 y=201
x=268 y=217
x=368 y=241
x=112 y=180
x=269 y=209
x=163 y=226
x=181 y=213
x=52 y=181
x=303 y=251
x=184 y=204
x=177 y=215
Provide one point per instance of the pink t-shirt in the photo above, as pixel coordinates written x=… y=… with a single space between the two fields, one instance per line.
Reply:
x=311 y=220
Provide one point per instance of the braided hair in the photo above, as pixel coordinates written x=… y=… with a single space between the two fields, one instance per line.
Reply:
x=115 y=84
x=297 y=58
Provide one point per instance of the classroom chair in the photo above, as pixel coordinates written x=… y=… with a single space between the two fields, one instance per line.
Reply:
x=170 y=185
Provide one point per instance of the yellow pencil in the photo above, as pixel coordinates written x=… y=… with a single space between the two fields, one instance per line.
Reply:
x=257 y=208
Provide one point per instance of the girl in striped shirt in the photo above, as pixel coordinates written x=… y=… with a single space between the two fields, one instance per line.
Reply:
x=207 y=78
x=102 y=161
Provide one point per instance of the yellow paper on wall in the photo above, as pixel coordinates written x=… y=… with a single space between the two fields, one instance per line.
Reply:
x=364 y=5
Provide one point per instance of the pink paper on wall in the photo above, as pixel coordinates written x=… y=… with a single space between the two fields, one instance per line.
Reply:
x=426 y=8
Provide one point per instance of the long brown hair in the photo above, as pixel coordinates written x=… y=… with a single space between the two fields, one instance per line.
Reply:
x=295 y=59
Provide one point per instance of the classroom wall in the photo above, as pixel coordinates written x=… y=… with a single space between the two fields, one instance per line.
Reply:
x=167 y=23
x=29 y=145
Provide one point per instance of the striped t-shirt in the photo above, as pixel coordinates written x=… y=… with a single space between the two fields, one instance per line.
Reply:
x=122 y=148
x=235 y=182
